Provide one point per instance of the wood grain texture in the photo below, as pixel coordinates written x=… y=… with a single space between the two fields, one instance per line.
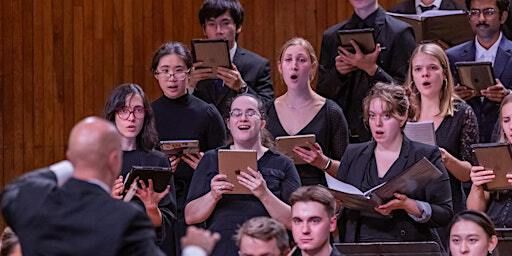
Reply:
x=60 y=59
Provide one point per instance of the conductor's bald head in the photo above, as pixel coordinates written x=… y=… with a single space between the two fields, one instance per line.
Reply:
x=94 y=149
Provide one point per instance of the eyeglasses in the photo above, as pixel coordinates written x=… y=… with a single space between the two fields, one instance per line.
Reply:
x=222 y=24
x=488 y=12
x=237 y=113
x=125 y=112
x=178 y=75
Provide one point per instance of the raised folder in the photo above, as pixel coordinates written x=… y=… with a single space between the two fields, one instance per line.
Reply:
x=160 y=176
x=415 y=177
x=232 y=162
x=477 y=75
x=498 y=157
x=285 y=145
x=179 y=147
x=364 y=38
x=450 y=26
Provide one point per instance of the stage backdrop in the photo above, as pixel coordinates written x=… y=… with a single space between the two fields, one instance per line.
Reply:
x=59 y=59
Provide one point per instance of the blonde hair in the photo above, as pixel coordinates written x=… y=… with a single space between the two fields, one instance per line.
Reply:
x=307 y=46
x=266 y=229
x=447 y=97
x=506 y=100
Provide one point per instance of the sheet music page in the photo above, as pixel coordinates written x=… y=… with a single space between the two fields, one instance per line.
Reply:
x=421 y=132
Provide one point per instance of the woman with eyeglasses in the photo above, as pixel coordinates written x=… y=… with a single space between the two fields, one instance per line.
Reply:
x=319 y=116
x=270 y=185
x=129 y=110
x=497 y=204
x=181 y=116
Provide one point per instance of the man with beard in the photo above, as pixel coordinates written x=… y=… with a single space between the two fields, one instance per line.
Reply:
x=486 y=18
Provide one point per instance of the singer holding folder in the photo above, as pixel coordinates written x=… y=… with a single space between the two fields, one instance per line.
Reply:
x=270 y=186
x=497 y=204
x=410 y=217
x=129 y=110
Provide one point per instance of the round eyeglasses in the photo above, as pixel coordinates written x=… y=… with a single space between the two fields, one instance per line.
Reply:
x=178 y=75
x=138 y=112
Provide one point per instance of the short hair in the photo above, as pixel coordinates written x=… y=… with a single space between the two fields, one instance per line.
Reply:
x=9 y=240
x=307 y=46
x=215 y=8
x=394 y=98
x=317 y=194
x=267 y=139
x=169 y=48
x=479 y=218
x=147 y=139
x=503 y=5
x=505 y=101
x=446 y=103
x=266 y=229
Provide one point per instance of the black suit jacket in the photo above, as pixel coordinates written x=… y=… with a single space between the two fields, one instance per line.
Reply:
x=408 y=6
x=349 y=90
x=486 y=111
x=79 y=218
x=255 y=71
x=355 y=165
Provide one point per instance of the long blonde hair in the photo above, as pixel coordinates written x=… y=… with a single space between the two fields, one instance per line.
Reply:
x=506 y=100
x=447 y=97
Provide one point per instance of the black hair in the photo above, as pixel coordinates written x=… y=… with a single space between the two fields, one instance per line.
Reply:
x=9 y=240
x=147 y=139
x=169 y=48
x=215 y=8
x=479 y=218
x=502 y=5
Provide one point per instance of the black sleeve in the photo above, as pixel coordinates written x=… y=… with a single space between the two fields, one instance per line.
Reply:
x=263 y=86
x=216 y=128
x=330 y=82
x=139 y=238
x=402 y=47
x=338 y=131
x=291 y=181
x=438 y=194
x=200 y=183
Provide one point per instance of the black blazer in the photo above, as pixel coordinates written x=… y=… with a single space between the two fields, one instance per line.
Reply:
x=79 y=218
x=255 y=71
x=355 y=165
x=486 y=111
x=349 y=90
x=408 y=6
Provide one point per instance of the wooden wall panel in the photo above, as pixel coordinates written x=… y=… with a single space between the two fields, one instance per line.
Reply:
x=61 y=58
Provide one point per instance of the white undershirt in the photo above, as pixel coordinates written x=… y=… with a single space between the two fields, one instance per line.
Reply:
x=482 y=54
x=418 y=3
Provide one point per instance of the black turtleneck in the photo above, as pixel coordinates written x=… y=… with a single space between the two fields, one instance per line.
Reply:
x=188 y=118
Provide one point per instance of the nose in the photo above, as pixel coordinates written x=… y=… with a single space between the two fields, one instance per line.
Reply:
x=425 y=73
x=305 y=228
x=378 y=121
x=481 y=16
x=218 y=28
x=463 y=247
x=131 y=116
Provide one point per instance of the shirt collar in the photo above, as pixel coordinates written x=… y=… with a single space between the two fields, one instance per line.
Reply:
x=436 y=3
x=232 y=51
x=369 y=21
x=482 y=54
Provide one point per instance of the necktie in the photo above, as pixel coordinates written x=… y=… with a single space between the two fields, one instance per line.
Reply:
x=426 y=8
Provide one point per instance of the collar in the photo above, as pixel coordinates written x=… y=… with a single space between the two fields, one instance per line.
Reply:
x=370 y=21
x=232 y=51
x=482 y=54
x=100 y=183
x=436 y=3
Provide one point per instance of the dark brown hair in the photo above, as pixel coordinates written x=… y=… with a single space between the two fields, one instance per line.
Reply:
x=147 y=139
x=169 y=48
x=394 y=98
x=479 y=218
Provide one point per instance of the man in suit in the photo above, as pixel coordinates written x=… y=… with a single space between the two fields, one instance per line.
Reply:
x=313 y=220
x=80 y=217
x=420 y=6
x=262 y=236
x=486 y=18
x=346 y=77
x=222 y=19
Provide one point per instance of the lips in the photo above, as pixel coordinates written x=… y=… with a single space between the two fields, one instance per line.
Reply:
x=244 y=127
x=294 y=76
x=426 y=83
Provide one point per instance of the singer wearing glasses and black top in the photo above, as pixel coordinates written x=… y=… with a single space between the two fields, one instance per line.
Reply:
x=181 y=116
x=131 y=113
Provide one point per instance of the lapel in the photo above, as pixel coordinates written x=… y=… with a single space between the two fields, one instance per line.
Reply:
x=238 y=62
x=402 y=161
x=503 y=56
x=468 y=52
